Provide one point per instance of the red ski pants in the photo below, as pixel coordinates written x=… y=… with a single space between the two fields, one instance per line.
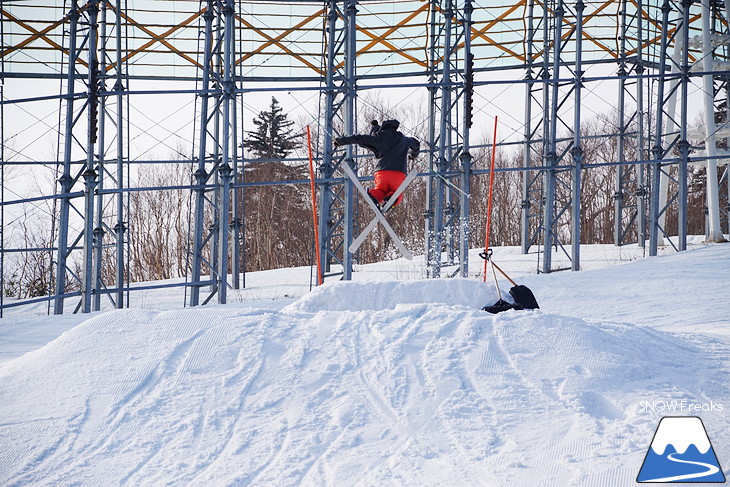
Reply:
x=386 y=183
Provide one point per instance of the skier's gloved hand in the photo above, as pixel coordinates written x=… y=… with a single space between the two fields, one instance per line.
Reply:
x=374 y=127
x=337 y=143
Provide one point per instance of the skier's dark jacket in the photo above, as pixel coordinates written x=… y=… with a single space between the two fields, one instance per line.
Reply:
x=389 y=146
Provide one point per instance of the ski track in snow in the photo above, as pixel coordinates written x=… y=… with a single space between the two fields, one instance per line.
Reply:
x=380 y=383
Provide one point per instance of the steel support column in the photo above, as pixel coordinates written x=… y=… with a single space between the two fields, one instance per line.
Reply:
x=337 y=200
x=577 y=150
x=120 y=227
x=658 y=150
x=531 y=149
x=109 y=211
x=350 y=128
x=558 y=195
x=670 y=132
x=629 y=189
x=433 y=94
x=465 y=156
x=450 y=22
x=683 y=143
x=228 y=149
x=74 y=175
x=714 y=230
x=217 y=153
x=2 y=172
x=238 y=244
x=201 y=175
x=725 y=92
x=90 y=173
x=552 y=44
x=98 y=228
x=641 y=136
x=66 y=181
x=551 y=194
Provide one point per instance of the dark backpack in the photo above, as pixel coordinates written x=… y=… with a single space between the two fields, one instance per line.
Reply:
x=524 y=299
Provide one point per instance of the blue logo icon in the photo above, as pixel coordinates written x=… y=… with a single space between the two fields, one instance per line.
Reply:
x=681 y=452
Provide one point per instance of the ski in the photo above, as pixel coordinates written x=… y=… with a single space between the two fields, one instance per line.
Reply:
x=378 y=215
x=371 y=226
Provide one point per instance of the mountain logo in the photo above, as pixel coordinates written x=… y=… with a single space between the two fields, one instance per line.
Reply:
x=681 y=452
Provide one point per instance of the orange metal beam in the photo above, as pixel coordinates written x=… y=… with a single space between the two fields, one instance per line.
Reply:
x=161 y=38
x=37 y=35
x=481 y=32
x=489 y=25
x=589 y=37
x=586 y=35
x=381 y=38
x=478 y=31
x=500 y=46
x=277 y=41
x=656 y=24
x=389 y=46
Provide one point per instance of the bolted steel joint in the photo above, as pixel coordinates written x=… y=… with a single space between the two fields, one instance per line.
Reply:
x=225 y=171
x=201 y=176
x=90 y=176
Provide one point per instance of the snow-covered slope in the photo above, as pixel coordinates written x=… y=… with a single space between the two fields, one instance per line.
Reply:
x=371 y=383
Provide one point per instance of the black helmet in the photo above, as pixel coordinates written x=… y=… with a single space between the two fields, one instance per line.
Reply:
x=390 y=125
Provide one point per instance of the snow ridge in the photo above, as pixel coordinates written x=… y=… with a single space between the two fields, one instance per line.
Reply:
x=384 y=295
x=377 y=383
x=386 y=383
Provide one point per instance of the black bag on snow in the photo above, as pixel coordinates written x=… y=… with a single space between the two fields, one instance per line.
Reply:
x=523 y=297
x=499 y=306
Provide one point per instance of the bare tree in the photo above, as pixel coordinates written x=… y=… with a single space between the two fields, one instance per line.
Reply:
x=278 y=228
x=29 y=271
x=158 y=223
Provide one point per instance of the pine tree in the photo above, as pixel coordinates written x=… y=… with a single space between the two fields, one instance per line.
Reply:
x=273 y=137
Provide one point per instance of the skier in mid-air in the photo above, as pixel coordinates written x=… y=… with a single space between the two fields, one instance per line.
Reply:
x=392 y=150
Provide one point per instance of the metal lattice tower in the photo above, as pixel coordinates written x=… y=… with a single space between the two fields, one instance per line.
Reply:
x=217 y=159
x=552 y=196
x=336 y=199
x=654 y=53
x=714 y=44
x=670 y=127
x=447 y=197
x=112 y=209
x=630 y=208
x=92 y=170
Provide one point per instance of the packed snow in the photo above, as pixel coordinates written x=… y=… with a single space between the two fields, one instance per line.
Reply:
x=385 y=380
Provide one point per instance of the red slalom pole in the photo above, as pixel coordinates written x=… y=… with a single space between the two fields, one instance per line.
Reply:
x=489 y=200
x=314 y=206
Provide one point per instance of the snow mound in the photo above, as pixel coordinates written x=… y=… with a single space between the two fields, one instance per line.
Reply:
x=591 y=367
x=358 y=296
x=426 y=394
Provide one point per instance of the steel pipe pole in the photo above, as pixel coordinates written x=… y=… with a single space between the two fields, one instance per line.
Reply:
x=66 y=180
x=714 y=231
x=577 y=151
